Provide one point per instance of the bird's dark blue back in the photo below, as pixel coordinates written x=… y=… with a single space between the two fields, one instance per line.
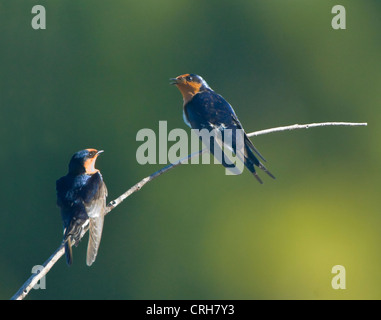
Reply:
x=209 y=107
x=73 y=192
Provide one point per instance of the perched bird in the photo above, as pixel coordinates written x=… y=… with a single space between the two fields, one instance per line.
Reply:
x=81 y=195
x=205 y=109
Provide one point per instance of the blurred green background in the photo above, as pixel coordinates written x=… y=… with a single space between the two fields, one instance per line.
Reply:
x=99 y=73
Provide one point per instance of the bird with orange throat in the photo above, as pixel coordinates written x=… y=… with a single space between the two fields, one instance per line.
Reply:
x=81 y=195
x=205 y=109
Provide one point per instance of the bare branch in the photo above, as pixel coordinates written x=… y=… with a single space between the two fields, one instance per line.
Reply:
x=305 y=126
x=35 y=278
x=154 y=175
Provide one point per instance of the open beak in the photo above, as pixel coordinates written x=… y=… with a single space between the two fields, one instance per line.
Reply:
x=173 y=81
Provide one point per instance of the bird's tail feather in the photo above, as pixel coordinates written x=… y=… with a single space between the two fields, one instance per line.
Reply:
x=257 y=177
x=251 y=160
x=95 y=234
x=262 y=167
x=249 y=145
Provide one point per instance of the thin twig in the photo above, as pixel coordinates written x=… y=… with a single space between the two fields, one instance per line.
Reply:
x=305 y=126
x=154 y=175
x=35 y=278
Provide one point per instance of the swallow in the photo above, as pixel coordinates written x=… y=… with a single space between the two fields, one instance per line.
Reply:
x=205 y=109
x=81 y=195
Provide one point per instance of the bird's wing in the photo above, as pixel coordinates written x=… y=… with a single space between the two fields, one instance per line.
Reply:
x=71 y=206
x=247 y=151
x=95 y=202
x=248 y=142
x=95 y=234
x=209 y=110
x=219 y=146
x=73 y=212
x=249 y=154
x=61 y=187
x=226 y=116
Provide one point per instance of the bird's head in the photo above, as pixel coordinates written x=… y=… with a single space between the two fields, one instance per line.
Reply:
x=189 y=85
x=84 y=161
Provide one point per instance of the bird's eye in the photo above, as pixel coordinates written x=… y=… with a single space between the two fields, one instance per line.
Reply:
x=189 y=78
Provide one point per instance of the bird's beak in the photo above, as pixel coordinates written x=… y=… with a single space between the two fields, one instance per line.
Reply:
x=100 y=151
x=173 y=81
